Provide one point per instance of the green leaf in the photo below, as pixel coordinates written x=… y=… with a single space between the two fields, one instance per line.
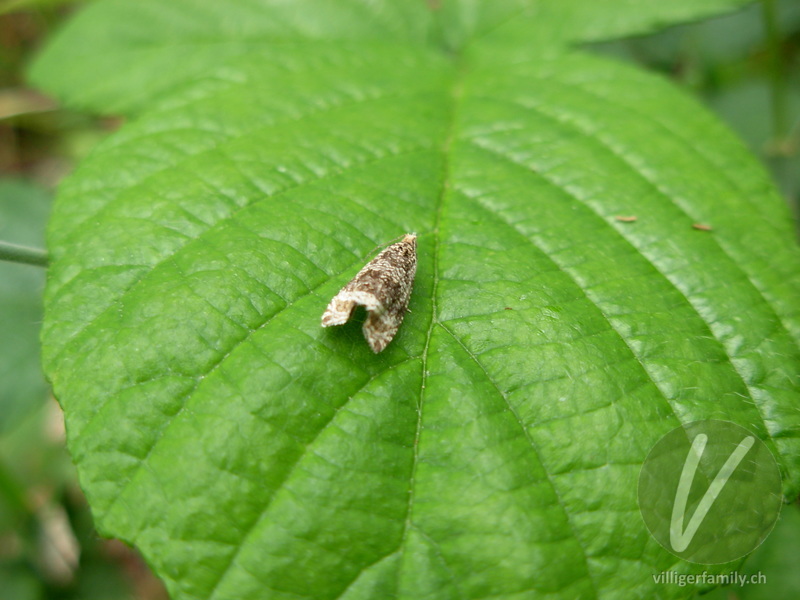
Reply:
x=23 y=212
x=773 y=560
x=770 y=572
x=493 y=448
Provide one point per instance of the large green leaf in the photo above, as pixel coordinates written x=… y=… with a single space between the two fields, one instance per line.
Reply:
x=493 y=448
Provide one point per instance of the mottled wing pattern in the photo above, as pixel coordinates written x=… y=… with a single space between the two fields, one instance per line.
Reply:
x=383 y=287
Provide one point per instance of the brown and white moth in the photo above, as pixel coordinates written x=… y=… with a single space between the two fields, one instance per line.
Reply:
x=383 y=287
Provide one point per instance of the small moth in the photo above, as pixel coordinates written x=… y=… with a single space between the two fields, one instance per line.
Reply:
x=383 y=287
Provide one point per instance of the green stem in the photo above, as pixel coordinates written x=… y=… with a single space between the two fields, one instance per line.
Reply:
x=22 y=254
x=776 y=71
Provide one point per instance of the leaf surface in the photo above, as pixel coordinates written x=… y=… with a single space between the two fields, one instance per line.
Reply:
x=493 y=448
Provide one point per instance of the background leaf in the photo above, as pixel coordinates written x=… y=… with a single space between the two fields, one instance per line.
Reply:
x=493 y=448
x=122 y=68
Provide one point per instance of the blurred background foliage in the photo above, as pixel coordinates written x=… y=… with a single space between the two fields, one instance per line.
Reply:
x=743 y=66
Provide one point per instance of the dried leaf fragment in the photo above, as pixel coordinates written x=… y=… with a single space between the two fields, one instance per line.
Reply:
x=383 y=287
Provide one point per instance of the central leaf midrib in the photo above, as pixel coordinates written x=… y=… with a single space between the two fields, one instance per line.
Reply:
x=457 y=89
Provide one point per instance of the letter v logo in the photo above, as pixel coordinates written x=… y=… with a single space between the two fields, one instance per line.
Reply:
x=679 y=538
x=710 y=491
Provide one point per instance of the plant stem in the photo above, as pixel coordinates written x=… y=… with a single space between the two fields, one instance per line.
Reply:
x=23 y=254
